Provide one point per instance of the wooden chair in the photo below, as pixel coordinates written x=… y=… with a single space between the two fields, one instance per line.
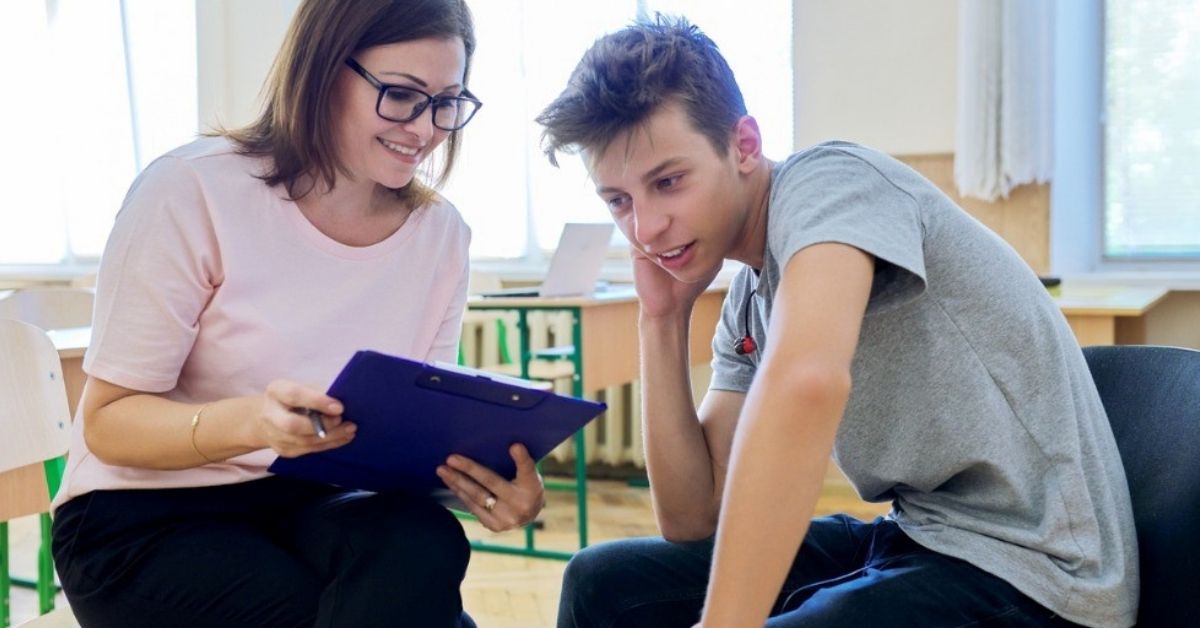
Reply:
x=49 y=308
x=58 y=618
x=36 y=427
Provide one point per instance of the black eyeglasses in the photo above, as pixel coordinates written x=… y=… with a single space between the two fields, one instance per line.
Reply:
x=399 y=103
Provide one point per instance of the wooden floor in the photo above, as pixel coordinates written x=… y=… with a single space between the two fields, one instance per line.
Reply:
x=506 y=591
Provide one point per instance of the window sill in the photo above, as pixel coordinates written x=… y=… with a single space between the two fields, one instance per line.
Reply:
x=16 y=275
x=1179 y=280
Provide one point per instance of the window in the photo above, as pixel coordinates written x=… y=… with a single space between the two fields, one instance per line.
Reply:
x=1152 y=131
x=514 y=200
x=92 y=90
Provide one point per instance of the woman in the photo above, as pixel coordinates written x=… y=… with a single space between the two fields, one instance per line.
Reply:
x=243 y=271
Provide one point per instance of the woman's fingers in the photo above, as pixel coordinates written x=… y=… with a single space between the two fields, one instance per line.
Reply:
x=287 y=426
x=466 y=488
x=291 y=394
x=290 y=445
x=482 y=475
x=516 y=503
x=487 y=508
x=527 y=473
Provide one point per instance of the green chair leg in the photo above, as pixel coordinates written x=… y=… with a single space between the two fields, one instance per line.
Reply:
x=5 y=584
x=502 y=341
x=54 y=470
x=529 y=527
x=46 y=588
x=581 y=486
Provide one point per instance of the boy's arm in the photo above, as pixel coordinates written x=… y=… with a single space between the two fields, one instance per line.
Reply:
x=786 y=432
x=686 y=456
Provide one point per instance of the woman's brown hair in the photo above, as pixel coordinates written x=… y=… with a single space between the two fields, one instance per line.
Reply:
x=296 y=128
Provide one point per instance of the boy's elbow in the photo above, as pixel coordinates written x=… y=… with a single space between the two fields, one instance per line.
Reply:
x=813 y=384
x=686 y=529
x=684 y=535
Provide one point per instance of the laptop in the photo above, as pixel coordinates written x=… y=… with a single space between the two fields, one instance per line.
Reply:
x=575 y=266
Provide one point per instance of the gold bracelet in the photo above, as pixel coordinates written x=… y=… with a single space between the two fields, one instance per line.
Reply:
x=195 y=424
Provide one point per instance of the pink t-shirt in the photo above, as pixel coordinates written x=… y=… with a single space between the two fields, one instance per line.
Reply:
x=214 y=284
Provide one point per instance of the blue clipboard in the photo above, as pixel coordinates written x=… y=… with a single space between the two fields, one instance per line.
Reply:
x=411 y=416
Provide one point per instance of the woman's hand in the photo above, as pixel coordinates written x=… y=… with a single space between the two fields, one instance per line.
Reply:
x=283 y=426
x=659 y=293
x=497 y=503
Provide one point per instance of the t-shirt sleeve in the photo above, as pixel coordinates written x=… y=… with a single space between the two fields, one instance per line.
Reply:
x=731 y=371
x=158 y=272
x=833 y=195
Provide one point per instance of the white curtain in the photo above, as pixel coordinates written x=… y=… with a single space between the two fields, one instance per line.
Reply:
x=1005 y=96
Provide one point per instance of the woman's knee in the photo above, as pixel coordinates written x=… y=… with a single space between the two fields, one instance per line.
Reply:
x=425 y=531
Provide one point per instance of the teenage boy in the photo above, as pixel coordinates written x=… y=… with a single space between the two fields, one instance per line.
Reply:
x=873 y=320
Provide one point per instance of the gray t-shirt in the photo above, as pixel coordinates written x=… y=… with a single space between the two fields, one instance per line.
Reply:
x=972 y=408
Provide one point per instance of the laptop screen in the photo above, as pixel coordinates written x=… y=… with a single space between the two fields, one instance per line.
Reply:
x=577 y=260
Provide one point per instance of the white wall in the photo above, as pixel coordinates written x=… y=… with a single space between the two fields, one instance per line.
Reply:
x=880 y=73
x=236 y=44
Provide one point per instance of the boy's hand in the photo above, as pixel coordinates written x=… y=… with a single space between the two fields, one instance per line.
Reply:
x=661 y=294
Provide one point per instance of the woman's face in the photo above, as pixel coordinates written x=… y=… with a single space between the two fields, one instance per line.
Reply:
x=381 y=151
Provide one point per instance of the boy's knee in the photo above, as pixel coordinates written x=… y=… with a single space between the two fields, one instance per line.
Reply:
x=593 y=574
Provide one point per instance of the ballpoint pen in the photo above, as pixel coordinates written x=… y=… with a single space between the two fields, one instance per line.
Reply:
x=317 y=425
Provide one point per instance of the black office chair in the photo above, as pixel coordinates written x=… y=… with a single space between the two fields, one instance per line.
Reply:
x=1152 y=396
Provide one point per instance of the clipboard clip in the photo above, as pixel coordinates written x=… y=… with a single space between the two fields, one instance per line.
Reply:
x=479 y=387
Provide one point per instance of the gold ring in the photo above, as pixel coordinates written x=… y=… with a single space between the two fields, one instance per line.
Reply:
x=489 y=503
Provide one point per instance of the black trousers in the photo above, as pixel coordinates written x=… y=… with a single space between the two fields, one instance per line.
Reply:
x=270 y=552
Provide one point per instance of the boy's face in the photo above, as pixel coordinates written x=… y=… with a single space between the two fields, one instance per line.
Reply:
x=672 y=195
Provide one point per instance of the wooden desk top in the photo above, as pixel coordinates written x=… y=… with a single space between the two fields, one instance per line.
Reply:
x=616 y=294
x=1099 y=300
x=623 y=293
x=71 y=342
x=1074 y=300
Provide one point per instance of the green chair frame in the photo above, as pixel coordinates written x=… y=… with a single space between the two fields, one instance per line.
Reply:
x=579 y=484
x=45 y=585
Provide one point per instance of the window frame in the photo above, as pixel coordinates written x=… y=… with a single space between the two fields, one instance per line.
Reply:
x=1077 y=190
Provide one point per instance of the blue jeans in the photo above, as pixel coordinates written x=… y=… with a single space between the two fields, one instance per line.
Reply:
x=847 y=573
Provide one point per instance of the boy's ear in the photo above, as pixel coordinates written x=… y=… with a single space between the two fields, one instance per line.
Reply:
x=747 y=144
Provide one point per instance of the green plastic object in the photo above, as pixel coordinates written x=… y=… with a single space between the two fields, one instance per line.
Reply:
x=579 y=484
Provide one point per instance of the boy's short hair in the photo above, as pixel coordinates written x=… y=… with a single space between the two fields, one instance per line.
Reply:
x=625 y=76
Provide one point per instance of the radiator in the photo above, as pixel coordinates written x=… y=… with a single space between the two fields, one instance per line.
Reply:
x=615 y=438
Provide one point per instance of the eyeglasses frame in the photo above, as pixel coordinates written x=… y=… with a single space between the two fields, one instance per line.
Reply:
x=431 y=102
